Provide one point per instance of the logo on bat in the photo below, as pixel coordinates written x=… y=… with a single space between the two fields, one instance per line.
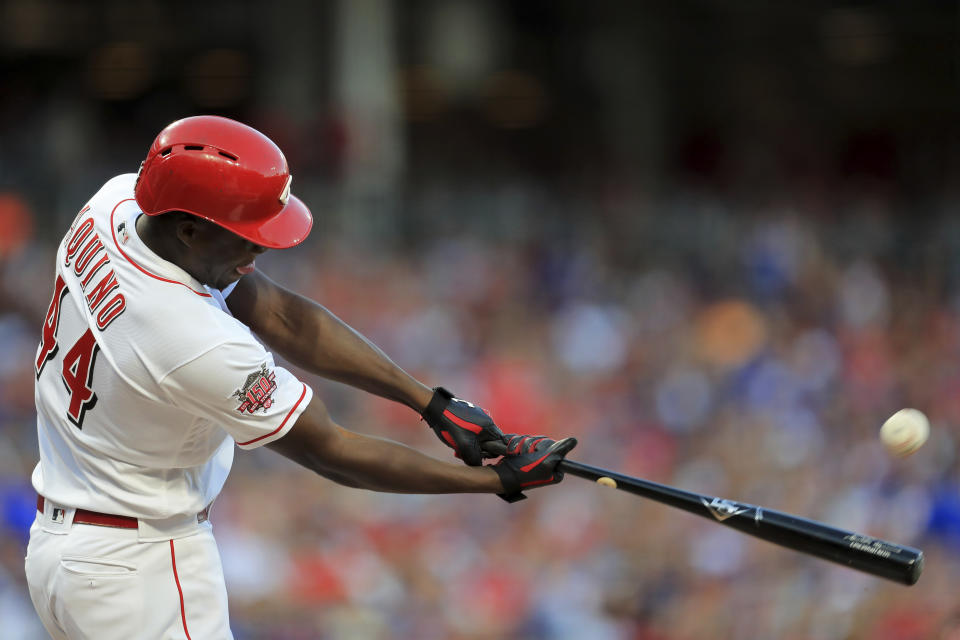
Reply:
x=722 y=509
x=257 y=392
x=870 y=545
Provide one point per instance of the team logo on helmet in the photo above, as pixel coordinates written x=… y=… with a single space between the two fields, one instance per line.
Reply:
x=257 y=392
x=285 y=194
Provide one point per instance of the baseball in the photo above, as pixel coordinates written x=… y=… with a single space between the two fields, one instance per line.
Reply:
x=607 y=482
x=905 y=431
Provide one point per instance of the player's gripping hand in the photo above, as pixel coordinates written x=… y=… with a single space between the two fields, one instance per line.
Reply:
x=462 y=426
x=529 y=462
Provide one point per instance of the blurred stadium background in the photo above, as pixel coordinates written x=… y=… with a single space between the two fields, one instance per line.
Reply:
x=717 y=241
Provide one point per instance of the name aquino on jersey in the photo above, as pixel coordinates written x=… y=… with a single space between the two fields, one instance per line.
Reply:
x=98 y=281
x=86 y=258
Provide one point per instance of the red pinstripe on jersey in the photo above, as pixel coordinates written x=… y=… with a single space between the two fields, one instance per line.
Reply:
x=113 y=231
x=290 y=413
x=183 y=613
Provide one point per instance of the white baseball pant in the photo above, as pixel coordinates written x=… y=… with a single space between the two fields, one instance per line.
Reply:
x=105 y=583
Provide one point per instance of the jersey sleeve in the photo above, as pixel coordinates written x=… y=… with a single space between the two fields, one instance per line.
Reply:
x=237 y=386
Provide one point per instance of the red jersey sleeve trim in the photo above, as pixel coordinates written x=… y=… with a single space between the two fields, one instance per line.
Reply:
x=280 y=428
x=113 y=232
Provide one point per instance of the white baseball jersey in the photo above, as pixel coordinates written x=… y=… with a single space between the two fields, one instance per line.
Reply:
x=144 y=379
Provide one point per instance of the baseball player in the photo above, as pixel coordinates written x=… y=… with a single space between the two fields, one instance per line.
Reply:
x=149 y=372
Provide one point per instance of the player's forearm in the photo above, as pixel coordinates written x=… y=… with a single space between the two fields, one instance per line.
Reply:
x=368 y=462
x=341 y=353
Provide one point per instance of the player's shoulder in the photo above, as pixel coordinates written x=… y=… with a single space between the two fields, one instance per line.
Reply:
x=173 y=329
x=114 y=191
x=122 y=183
x=188 y=315
x=101 y=206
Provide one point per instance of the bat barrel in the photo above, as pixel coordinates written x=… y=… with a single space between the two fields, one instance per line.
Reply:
x=878 y=557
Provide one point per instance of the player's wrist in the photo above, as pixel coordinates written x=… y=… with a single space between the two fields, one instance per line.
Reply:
x=420 y=397
x=437 y=401
x=509 y=481
x=491 y=479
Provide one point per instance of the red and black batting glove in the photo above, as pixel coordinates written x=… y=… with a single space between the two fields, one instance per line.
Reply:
x=529 y=462
x=462 y=426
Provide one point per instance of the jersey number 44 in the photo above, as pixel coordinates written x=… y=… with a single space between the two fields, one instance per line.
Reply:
x=77 y=369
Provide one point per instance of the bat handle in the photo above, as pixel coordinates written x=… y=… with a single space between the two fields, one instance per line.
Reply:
x=587 y=471
x=494 y=448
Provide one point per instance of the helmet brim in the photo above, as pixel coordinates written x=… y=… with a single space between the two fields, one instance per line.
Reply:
x=286 y=229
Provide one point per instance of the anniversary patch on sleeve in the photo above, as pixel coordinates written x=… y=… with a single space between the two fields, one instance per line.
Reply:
x=257 y=392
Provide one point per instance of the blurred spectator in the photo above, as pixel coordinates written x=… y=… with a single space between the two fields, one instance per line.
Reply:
x=668 y=231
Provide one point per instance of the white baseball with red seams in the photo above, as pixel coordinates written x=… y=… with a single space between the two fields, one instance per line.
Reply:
x=145 y=383
x=905 y=431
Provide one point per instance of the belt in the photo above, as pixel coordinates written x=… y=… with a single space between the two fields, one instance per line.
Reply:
x=82 y=516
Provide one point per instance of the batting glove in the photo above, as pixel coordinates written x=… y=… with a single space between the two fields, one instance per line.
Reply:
x=529 y=462
x=462 y=426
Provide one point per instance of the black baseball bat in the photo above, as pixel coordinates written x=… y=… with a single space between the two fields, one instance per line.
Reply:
x=878 y=557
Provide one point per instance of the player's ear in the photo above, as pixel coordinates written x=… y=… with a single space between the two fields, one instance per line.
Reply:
x=186 y=227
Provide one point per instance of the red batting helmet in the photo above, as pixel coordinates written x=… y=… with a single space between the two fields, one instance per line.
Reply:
x=225 y=172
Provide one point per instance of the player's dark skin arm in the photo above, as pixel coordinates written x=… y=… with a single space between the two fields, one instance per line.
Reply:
x=310 y=336
x=356 y=460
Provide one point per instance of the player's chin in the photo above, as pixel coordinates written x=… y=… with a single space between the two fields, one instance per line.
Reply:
x=226 y=279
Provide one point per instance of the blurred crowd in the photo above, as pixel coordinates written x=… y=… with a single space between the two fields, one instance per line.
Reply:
x=690 y=339
x=719 y=256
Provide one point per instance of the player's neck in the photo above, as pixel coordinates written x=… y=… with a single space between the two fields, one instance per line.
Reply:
x=153 y=235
